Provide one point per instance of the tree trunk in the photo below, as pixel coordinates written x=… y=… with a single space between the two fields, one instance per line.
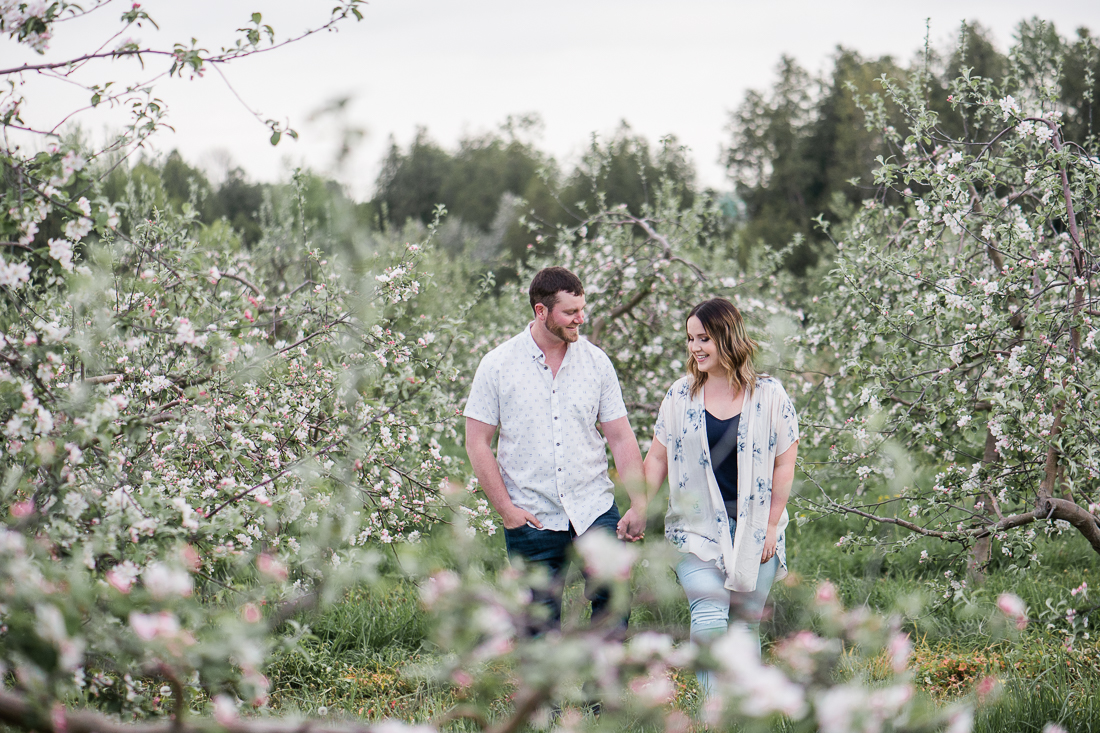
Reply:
x=981 y=551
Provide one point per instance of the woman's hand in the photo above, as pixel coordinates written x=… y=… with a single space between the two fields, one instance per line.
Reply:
x=632 y=525
x=770 y=541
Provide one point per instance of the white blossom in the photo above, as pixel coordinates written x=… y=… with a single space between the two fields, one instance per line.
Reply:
x=163 y=581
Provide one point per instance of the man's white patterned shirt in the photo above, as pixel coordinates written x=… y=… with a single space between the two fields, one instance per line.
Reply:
x=552 y=458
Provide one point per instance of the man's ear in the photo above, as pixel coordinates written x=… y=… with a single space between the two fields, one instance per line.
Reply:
x=540 y=311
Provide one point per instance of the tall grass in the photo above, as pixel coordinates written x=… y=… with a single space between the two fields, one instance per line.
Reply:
x=361 y=657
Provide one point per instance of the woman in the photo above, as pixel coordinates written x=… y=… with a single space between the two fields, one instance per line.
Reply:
x=726 y=438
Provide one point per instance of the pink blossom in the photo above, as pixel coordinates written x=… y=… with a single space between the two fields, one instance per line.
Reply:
x=675 y=721
x=62 y=251
x=798 y=651
x=271 y=567
x=438 y=586
x=900 y=648
x=654 y=689
x=1012 y=605
x=225 y=710
x=605 y=557
x=22 y=509
x=985 y=687
x=14 y=274
x=122 y=576
x=826 y=593
x=149 y=626
x=962 y=721
x=57 y=717
x=189 y=556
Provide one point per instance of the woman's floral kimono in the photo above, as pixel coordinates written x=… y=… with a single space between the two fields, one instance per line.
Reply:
x=696 y=521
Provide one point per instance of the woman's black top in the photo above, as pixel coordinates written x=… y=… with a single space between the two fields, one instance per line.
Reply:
x=722 y=437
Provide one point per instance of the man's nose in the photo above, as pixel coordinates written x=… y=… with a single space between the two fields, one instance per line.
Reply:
x=579 y=318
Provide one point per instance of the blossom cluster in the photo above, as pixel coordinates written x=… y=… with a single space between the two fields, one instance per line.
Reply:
x=481 y=620
x=956 y=378
x=178 y=419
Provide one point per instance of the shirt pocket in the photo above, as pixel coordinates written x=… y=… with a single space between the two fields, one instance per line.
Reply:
x=585 y=410
x=584 y=399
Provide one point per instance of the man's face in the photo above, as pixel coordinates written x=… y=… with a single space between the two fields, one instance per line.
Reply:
x=566 y=317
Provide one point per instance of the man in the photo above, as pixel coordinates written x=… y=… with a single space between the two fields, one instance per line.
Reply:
x=547 y=389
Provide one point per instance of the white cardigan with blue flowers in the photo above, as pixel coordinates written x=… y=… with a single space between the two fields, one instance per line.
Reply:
x=696 y=521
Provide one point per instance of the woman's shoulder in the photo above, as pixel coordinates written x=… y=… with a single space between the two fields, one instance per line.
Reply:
x=680 y=389
x=768 y=385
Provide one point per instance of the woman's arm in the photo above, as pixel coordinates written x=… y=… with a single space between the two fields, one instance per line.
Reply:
x=782 y=480
x=655 y=468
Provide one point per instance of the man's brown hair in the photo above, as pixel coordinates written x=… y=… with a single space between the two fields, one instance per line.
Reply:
x=550 y=281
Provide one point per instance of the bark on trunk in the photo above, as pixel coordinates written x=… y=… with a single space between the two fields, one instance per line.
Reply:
x=982 y=549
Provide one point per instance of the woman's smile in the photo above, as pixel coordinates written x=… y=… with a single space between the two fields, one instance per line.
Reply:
x=700 y=346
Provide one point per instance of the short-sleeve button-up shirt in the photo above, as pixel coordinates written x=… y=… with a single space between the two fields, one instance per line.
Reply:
x=696 y=521
x=552 y=458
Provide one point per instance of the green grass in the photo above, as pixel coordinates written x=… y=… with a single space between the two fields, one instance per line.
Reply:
x=1064 y=698
x=360 y=659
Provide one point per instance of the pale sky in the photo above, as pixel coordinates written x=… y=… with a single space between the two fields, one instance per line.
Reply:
x=462 y=67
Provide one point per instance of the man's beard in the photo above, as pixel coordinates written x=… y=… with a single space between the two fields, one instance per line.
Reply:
x=561 y=331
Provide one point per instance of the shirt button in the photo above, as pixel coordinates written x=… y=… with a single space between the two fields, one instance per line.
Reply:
x=559 y=469
x=558 y=444
x=555 y=417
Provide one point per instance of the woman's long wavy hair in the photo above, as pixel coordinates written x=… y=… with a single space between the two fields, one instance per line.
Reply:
x=726 y=328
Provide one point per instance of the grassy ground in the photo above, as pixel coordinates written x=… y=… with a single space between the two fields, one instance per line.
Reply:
x=357 y=662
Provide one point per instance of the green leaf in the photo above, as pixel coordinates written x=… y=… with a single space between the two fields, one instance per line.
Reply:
x=275 y=136
x=256 y=17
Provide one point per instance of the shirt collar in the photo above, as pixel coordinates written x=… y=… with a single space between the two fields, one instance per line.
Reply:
x=533 y=349
x=530 y=346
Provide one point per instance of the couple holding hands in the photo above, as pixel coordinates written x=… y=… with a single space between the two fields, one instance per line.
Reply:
x=726 y=439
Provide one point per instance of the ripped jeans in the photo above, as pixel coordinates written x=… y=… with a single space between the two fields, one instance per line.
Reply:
x=710 y=602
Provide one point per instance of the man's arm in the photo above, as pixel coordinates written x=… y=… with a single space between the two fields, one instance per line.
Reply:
x=479 y=446
x=628 y=462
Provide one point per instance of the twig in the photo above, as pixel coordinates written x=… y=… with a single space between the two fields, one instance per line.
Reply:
x=599 y=324
x=244 y=282
x=105 y=379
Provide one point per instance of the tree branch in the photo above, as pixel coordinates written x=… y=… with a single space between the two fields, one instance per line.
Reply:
x=105 y=379
x=244 y=282
x=85 y=57
x=600 y=323
x=1078 y=516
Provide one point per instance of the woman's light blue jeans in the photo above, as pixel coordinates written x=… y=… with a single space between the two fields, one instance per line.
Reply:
x=710 y=602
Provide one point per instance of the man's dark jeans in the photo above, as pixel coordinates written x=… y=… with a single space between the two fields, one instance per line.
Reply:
x=550 y=549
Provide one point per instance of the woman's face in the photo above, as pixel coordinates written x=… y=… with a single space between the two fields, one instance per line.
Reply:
x=701 y=347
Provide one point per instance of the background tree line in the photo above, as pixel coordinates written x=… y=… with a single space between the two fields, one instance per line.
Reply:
x=794 y=152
